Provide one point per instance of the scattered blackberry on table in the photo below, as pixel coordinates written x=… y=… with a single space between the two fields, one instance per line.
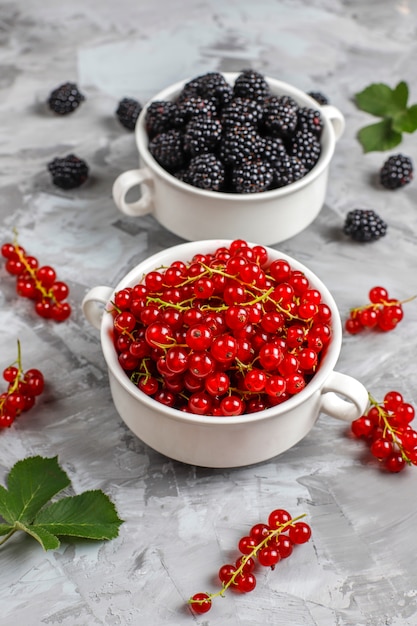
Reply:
x=159 y=117
x=309 y=120
x=127 y=112
x=252 y=176
x=206 y=172
x=242 y=111
x=280 y=116
x=396 y=172
x=319 y=97
x=168 y=149
x=306 y=146
x=364 y=225
x=251 y=84
x=239 y=143
x=202 y=134
x=65 y=99
x=68 y=172
x=288 y=170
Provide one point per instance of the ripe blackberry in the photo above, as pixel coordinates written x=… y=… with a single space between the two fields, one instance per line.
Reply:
x=288 y=170
x=159 y=117
x=206 y=172
x=211 y=86
x=242 y=111
x=251 y=84
x=396 y=172
x=252 y=176
x=193 y=106
x=127 y=112
x=306 y=146
x=280 y=116
x=240 y=143
x=65 y=99
x=202 y=134
x=309 y=120
x=168 y=149
x=364 y=225
x=318 y=97
x=68 y=172
x=273 y=150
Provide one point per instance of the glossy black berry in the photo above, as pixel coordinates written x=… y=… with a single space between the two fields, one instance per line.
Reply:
x=252 y=176
x=364 y=225
x=168 y=149
x=206 y=172
x=309 y=120
x=287 y=170
x=211 y=86
x=68 y=172
x=396 y=172
x=65 y=99
x=251 y=84
x=159 y=117
x=240 y=143
x=202 y=134
x=127 y=112
x=306 y=146
x=280 y=116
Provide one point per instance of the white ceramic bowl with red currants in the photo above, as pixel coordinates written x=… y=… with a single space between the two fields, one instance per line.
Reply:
x=253 y=165
x=222 y=353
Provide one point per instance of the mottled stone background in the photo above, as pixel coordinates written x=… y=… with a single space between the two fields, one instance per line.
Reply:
x=183 y=522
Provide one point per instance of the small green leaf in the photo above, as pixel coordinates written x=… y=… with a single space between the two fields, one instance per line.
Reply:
x=378 y=137
x=91 y=515
x=32 y=482
x=5 y=529
x=380 y=100
x=406 y=121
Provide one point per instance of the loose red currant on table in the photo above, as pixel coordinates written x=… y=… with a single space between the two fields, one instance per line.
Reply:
x=265 y=545
x=387 y=431
x=381 y=313
x=22 y=390
x=37 y=283
x=239 y=333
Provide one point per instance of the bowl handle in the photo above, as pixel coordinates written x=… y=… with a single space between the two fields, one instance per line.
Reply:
x=336 y=118
x=333 y=405
x=126 y=181
x=91 y=301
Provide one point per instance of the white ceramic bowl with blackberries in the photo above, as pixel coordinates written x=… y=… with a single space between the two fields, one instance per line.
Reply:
x=231 y=155
x=220 y=357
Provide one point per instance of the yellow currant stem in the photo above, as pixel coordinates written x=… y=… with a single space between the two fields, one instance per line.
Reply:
x=378 y=305
x=46 y=293
x=16 y=381
x=246 y=557
x=387 y=426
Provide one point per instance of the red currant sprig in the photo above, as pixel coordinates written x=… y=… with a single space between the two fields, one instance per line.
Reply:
x=387 y=431
x=265 y=545
x=22 y=391
x=37 y=283
x=382 y=313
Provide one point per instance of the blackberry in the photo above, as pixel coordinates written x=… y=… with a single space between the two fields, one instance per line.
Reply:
x=319 y=97
x=65 y=99
x=68 y=172
x=242 y=111
x=273 y=150
x=211 y=86
x=202 y=134
x=240 y=143
x=396 y=172
x=251 y=84
x=280 y=116
x=127 y=112
x=192 y=106
x=306 y=146
x=364 y=225
x=206 y=172
x=288 y=170
x=309 y=120
x=159 y=117
x=167 y=149
x=252 y=176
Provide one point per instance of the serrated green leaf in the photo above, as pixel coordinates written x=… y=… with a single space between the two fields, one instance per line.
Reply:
x=47 y=540
x=406 y=122
x=379 y=137
x=90 y=515
x=380 y=100
x=31 y=483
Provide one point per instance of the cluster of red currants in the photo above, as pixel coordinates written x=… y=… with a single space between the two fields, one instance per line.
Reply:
x=227 y=333
x=22 y=390
x=382 y=313
x=386 y=428
x=37 y=283
x=265 y=545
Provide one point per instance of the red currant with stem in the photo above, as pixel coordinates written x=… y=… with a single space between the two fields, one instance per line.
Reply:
x=200 y=602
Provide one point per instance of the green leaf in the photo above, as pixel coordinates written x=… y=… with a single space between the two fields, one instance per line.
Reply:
x=91 y=515
x=26 y=506
x=378 y=137
x=380 y=100
x=406 y=121
x=32 y=482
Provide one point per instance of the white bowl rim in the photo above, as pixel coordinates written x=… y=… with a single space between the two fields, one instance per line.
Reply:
x=185 y=251
x=327 y=150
